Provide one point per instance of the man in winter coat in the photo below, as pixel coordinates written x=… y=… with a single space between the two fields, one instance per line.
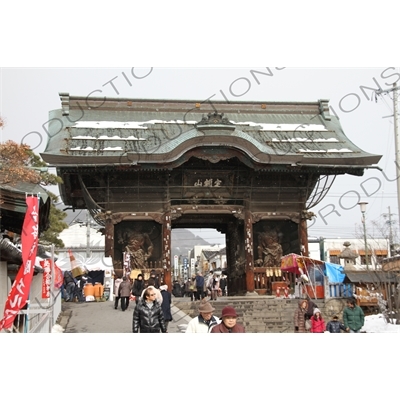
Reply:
x=205 y=321
x=353 y=317
x=148 y=317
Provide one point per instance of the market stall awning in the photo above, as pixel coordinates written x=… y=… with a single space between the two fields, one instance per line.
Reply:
x=334 y=272
x=294 y=262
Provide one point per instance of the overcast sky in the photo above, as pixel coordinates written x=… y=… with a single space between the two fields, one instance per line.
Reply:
x=28 y=94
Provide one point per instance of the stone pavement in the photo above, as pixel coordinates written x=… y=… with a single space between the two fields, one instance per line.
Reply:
x=101 y=317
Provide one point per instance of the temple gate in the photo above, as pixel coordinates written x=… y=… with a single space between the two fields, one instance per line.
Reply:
x=251 y=170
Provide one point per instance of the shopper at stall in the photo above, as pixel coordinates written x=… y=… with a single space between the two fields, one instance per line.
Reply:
x=148 y=316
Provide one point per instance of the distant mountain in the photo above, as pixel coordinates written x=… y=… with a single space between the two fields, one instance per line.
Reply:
x=183 y=240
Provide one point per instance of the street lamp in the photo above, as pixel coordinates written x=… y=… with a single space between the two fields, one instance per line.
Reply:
x=363 y=206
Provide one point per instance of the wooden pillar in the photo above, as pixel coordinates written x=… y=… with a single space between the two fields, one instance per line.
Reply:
x=303 y=237
x=249 y=254
x=109 y=236
x=166 y=250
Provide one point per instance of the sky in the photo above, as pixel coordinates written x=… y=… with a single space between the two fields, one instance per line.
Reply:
x=28 y=94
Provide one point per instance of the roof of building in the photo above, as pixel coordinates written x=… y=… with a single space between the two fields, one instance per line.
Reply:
x=13 y=205
x=373 y=276
x=121 y=131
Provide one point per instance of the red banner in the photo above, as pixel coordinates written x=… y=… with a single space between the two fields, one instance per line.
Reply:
x=46 y=280
x=20 y=289
x=58 y=277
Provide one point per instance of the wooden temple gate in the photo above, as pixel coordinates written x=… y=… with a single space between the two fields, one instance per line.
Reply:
x=251 y=170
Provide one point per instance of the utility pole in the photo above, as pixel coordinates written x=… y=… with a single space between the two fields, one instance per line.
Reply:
x=396 y=138
x=87 y=235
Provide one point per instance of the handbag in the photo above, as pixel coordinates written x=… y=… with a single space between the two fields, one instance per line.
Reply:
x=307 y=324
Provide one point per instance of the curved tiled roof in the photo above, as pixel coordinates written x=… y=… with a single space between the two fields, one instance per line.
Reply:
x=158 y=133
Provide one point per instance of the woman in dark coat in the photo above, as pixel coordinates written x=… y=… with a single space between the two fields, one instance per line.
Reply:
x=138 y=287
x=166 y=304
x=148 y=316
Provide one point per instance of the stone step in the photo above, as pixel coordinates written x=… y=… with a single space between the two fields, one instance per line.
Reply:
x=263 y=314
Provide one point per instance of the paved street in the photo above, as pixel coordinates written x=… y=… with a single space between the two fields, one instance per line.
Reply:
x=101 y=317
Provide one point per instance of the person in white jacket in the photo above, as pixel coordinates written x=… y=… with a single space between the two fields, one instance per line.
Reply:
x=205 y=321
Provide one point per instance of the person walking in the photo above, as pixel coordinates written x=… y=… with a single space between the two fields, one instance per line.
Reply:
x=335 y=326
x=138 y=287
x=317 y=322
x=148 y=315
x=117 y=282
x=199 y=294
x=222 y=285
x=229 y=322
x=166 y=304
x=214 y=287
x=205 y=321
x=124 y=292
x=353 y=317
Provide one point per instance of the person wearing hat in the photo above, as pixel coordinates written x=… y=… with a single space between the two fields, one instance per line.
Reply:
x=205 y=321
x=229 y=322
x=317 y=322
x=334 y=326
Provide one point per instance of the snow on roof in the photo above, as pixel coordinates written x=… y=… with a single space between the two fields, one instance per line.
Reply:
x=285 y=127
x=126 y=124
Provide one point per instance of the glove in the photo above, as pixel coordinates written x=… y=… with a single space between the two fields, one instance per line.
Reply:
x=296 y=328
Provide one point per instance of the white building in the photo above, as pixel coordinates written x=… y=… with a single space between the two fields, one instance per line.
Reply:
x=330 y=249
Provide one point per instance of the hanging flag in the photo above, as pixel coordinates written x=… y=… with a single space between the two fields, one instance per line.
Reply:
x=19 y=293
x=46 y=279
x=58 y=276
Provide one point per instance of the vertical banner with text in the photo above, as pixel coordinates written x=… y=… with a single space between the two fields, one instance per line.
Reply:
x=20 y=289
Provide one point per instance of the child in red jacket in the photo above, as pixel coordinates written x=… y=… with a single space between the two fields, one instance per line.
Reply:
x=317 y=322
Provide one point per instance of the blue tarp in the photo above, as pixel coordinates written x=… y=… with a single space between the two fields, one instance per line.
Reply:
x=334 y=272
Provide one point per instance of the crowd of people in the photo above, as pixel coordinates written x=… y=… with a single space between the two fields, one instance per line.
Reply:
x=308 y=319
x=152 y=312
x=198 y=287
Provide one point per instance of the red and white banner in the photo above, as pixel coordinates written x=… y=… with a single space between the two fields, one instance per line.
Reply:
x=20 y=289
x=58 y=277
x=46 y=280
